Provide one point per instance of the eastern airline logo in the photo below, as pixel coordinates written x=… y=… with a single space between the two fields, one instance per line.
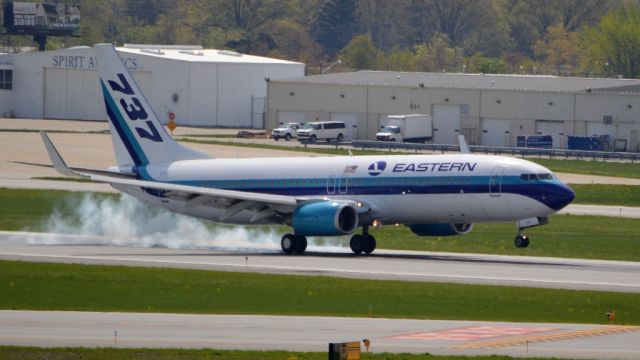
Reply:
x=377 y=168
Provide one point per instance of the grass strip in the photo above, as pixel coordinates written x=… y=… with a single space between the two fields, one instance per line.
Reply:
x=591 y=167
x=588 y=237
x=603 y=194
x=47 y=286
x=34 y=353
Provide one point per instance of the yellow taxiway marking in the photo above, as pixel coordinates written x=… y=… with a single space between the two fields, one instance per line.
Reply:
x=521 y=340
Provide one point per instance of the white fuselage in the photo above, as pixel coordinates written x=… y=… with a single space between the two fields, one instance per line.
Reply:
x=405 y=189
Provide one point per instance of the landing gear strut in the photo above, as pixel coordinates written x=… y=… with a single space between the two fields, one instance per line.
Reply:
x=293 y=244
x=364 y=243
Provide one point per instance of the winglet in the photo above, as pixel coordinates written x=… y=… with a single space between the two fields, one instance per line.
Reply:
x=56 y=159
x=464 y=147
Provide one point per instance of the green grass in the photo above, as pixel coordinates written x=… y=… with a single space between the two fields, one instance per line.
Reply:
x=589 y=237
x=33 y=353
x=601 y=194
x=45 y=286
x=615 y=169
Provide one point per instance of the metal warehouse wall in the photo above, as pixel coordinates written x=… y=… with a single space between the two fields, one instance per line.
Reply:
x=64 y=85
x=488 y=117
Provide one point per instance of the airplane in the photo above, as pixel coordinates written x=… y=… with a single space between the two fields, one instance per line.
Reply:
x=434 y=195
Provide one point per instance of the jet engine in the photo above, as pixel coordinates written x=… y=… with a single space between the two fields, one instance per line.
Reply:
x=441 y=229
x=324 y=218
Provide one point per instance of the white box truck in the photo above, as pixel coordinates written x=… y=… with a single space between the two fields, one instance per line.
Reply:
x=407 y=128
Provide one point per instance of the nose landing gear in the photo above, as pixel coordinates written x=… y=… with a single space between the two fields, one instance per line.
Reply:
x=521 y=241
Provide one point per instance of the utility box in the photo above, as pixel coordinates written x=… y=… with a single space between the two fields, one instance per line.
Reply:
x=535 y=141
x=344 y=351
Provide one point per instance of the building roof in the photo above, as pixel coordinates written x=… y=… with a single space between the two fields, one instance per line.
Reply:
x=171 y=52
x=198 y=54
x=472 y=81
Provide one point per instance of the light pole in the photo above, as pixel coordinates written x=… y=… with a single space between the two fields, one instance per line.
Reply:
x=324 y=70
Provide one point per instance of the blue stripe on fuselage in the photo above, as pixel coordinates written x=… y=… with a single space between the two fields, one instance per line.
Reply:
x=541 y=191
x=127 y=137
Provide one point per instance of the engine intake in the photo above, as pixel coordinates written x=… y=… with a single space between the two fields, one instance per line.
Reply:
x=324 y=218
x=440 y=229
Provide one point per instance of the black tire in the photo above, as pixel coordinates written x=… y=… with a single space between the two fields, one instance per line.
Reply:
x=288 y=243
x=356 y=244
x=300 y=244
x=340 y=138
x=521 y=241
x=312 y=139
x=287 y=137
x=369 y=244
x=276 y=138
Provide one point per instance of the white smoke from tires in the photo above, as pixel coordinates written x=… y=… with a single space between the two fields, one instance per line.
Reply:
x=124 y=221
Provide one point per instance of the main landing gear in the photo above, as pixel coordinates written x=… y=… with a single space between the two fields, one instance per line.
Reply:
x=364 y=243
x=293 y=244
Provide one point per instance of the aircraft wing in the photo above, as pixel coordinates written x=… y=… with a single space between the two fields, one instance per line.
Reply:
x=115 y=178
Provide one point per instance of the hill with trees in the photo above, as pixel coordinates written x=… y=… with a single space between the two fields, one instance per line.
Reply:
x=594 y=38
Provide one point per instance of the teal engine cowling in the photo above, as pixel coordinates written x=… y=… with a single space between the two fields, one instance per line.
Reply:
x=440 y=229
x=324 y=218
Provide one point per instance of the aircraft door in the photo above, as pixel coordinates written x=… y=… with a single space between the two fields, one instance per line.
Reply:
x=331 y=184
x=343 y=184
x=495 y=181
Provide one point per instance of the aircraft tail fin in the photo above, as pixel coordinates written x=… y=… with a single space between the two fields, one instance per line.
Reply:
x=138 y=136
x=464 y=147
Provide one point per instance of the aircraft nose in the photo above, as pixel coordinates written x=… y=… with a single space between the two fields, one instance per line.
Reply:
x=563 y=195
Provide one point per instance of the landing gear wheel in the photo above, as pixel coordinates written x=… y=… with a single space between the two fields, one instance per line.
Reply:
x=369 y=244
x=293 y=244
x=288 y=243
x=340 y=138
x=521 y=241
x=276 y=138
x=357 y=244
x=300 y=244
x=287 y=137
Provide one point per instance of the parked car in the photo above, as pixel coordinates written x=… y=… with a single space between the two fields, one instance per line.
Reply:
x=287 y=131
x=327 y=130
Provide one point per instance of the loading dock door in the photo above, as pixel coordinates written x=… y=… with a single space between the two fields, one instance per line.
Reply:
x=553 y=128
x=495 y=132
x=446 y=124
x=76 y=95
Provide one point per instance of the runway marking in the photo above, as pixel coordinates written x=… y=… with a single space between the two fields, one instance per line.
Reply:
x=632 y=287
x=609 y=330
x=470 y=333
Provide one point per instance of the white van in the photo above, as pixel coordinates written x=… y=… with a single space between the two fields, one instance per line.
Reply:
x=327 y=130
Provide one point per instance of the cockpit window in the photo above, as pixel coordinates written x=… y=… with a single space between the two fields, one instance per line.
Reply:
x=536 y=177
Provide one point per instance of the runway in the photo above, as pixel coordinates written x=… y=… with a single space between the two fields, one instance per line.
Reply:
x=297 y=333
x=578 y=274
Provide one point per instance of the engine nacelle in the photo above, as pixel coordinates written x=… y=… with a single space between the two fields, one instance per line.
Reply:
x=440 y=229
x=324 y=218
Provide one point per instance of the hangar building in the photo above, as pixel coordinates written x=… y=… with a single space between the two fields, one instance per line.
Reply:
x=202 y=87
x=489 y=110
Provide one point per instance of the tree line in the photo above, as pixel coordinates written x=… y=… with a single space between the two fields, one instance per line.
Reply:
x=594 y=38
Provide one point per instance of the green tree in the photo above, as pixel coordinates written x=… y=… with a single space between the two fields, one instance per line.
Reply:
x=438 y=56
x=560 y=50
x=614 y=44
x=335 y=25
x=360 y=53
